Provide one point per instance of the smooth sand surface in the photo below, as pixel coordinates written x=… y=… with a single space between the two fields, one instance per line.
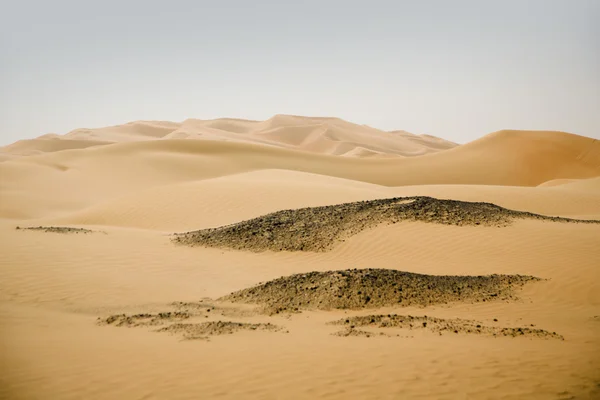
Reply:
x=134 y=185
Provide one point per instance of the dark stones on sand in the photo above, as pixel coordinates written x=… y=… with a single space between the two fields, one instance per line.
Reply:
x=373 y=288
x=144 y=319
x=214 y=328
x=56 y=229
x=320 y=228
x=435 y=325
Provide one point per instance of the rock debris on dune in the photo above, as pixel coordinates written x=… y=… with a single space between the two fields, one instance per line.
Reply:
x=372 y=288
x=437 y=325
x=171 y=321
x=214 y=328
x=145 y=319
x=56 y=229
x=319 y=228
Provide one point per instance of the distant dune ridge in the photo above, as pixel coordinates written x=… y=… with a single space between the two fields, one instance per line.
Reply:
x=100 y=169
x=313 y=134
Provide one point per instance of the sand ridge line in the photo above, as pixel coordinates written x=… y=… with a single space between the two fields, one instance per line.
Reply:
x=317 y=229
x=374 y=288
x=435 y=325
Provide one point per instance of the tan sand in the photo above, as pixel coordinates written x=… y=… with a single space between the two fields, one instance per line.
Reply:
x=134 y=185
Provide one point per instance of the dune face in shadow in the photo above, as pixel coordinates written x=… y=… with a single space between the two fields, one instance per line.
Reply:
x=319 y=228
x=433 y=324
x=373 y=288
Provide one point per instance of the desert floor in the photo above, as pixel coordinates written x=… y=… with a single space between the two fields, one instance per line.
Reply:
x=134 y=185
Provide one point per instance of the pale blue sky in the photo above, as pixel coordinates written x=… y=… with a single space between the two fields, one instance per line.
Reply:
x=454 y=69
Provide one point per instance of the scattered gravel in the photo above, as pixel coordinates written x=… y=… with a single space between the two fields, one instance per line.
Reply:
x=56 y=229
x=436 y=325
x=213 y=328
x=373 y=288
x=137 y=320
x=319 y=228
x=205 y=306
x=172 y=321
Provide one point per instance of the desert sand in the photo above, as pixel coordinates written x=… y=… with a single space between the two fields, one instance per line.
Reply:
x=264 y=259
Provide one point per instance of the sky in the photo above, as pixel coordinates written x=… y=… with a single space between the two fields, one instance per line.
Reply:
x=454 y=69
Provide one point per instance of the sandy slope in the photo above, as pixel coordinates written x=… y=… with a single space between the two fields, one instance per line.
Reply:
x=96 y=174
x=236 y=197
x=581 y=185
x=150 y=181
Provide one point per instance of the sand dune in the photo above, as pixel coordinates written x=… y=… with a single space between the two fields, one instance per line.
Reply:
x=98 y=174
x=97 y=302
x=133 y=131
x=212 y=202
x=47 y=145
x=313 y=134
x=205 y=203
x=580 y=185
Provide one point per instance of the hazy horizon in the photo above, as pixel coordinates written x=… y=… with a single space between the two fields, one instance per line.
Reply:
x=457 y=71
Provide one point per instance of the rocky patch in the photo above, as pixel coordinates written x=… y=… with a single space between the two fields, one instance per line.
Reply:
x=214 y=328
x=373 y=288
x=57 y=229
x=145 y=319
x=435 y=325
x=320 y=228
x=192 y=328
